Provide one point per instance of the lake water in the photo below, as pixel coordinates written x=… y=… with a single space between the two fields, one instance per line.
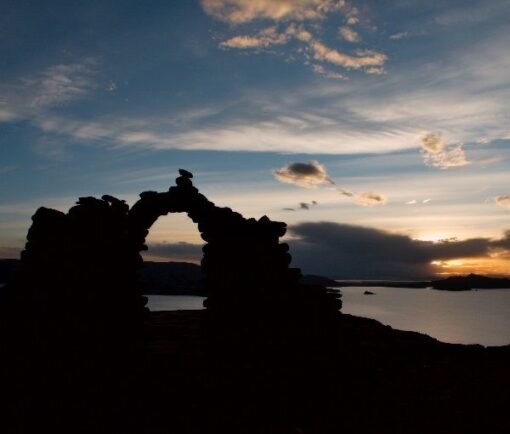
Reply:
x=468 y=317
x=175 y=302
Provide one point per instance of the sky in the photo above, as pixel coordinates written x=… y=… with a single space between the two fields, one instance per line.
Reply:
x=378 y=130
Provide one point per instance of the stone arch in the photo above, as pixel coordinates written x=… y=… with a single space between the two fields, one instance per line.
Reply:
x=240 y=255
x=78 y=310
x=95 y=248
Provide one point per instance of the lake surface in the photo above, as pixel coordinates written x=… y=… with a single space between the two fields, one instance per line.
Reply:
x=175 y=302
x=468 y=317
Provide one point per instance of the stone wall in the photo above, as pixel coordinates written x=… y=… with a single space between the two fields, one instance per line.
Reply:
x=77 y=310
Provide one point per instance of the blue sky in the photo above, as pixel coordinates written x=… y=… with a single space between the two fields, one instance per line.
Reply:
x=403 y=105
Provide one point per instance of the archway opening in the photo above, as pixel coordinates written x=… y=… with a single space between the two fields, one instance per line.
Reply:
x=174 y=238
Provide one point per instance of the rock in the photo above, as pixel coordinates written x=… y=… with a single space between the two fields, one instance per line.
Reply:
x=185 y=173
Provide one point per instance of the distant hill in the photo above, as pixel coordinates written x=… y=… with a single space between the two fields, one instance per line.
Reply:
x=312 y=279
x=184 y=278
x=453 y=283
x=171 y=278
x=384 y=283
x=471 y=281
x=165 y=278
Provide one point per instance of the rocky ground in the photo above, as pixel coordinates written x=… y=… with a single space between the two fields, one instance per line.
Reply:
x=383 y=380
x=375 y=379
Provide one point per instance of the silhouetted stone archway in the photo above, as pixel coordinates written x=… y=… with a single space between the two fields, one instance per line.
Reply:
x=241 y=255
x=78 y=309
x=97 y=245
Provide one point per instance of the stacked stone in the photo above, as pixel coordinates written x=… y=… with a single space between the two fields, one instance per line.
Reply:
x=87 y=248
x=79 y=282
x=89 y=257
x=255 y=305
x=78 y=311
x=243 y=260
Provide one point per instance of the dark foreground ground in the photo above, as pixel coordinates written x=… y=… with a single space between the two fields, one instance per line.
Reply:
x=384 y=381
x=368 y=379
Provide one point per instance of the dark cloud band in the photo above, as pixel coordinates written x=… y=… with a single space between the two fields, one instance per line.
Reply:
x=356 y=252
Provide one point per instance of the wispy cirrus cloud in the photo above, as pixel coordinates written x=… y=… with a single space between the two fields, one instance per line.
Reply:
x=397 y=36
x=60 y=84
x=300 y=132
x=243 y=11
x=292 y=18
x=54 y=86
x=7 y=115
x=338 y=117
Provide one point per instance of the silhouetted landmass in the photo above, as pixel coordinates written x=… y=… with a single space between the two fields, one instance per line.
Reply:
x=312 y=279
x=453 y=283
x=184 y=278
x=165 y=278
x=171 y=278
x=162 y=278
x=384 y=283
x=471 y=281
x=383 y=380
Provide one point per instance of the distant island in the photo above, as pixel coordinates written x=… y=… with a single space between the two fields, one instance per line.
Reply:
x=385 y=283
x=171 y=278
x=469 y=282
x=452 y=283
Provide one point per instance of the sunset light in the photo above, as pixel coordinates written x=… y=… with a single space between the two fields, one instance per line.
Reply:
x=254 y=216
x=362 y=117
x=480 y=265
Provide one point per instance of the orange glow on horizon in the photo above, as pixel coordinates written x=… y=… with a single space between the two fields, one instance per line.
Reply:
x=155 y=258
x=490 y=266
x=435 y=237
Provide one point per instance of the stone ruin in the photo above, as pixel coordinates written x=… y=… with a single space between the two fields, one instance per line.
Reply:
x=83 y=306
x=96 y=246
